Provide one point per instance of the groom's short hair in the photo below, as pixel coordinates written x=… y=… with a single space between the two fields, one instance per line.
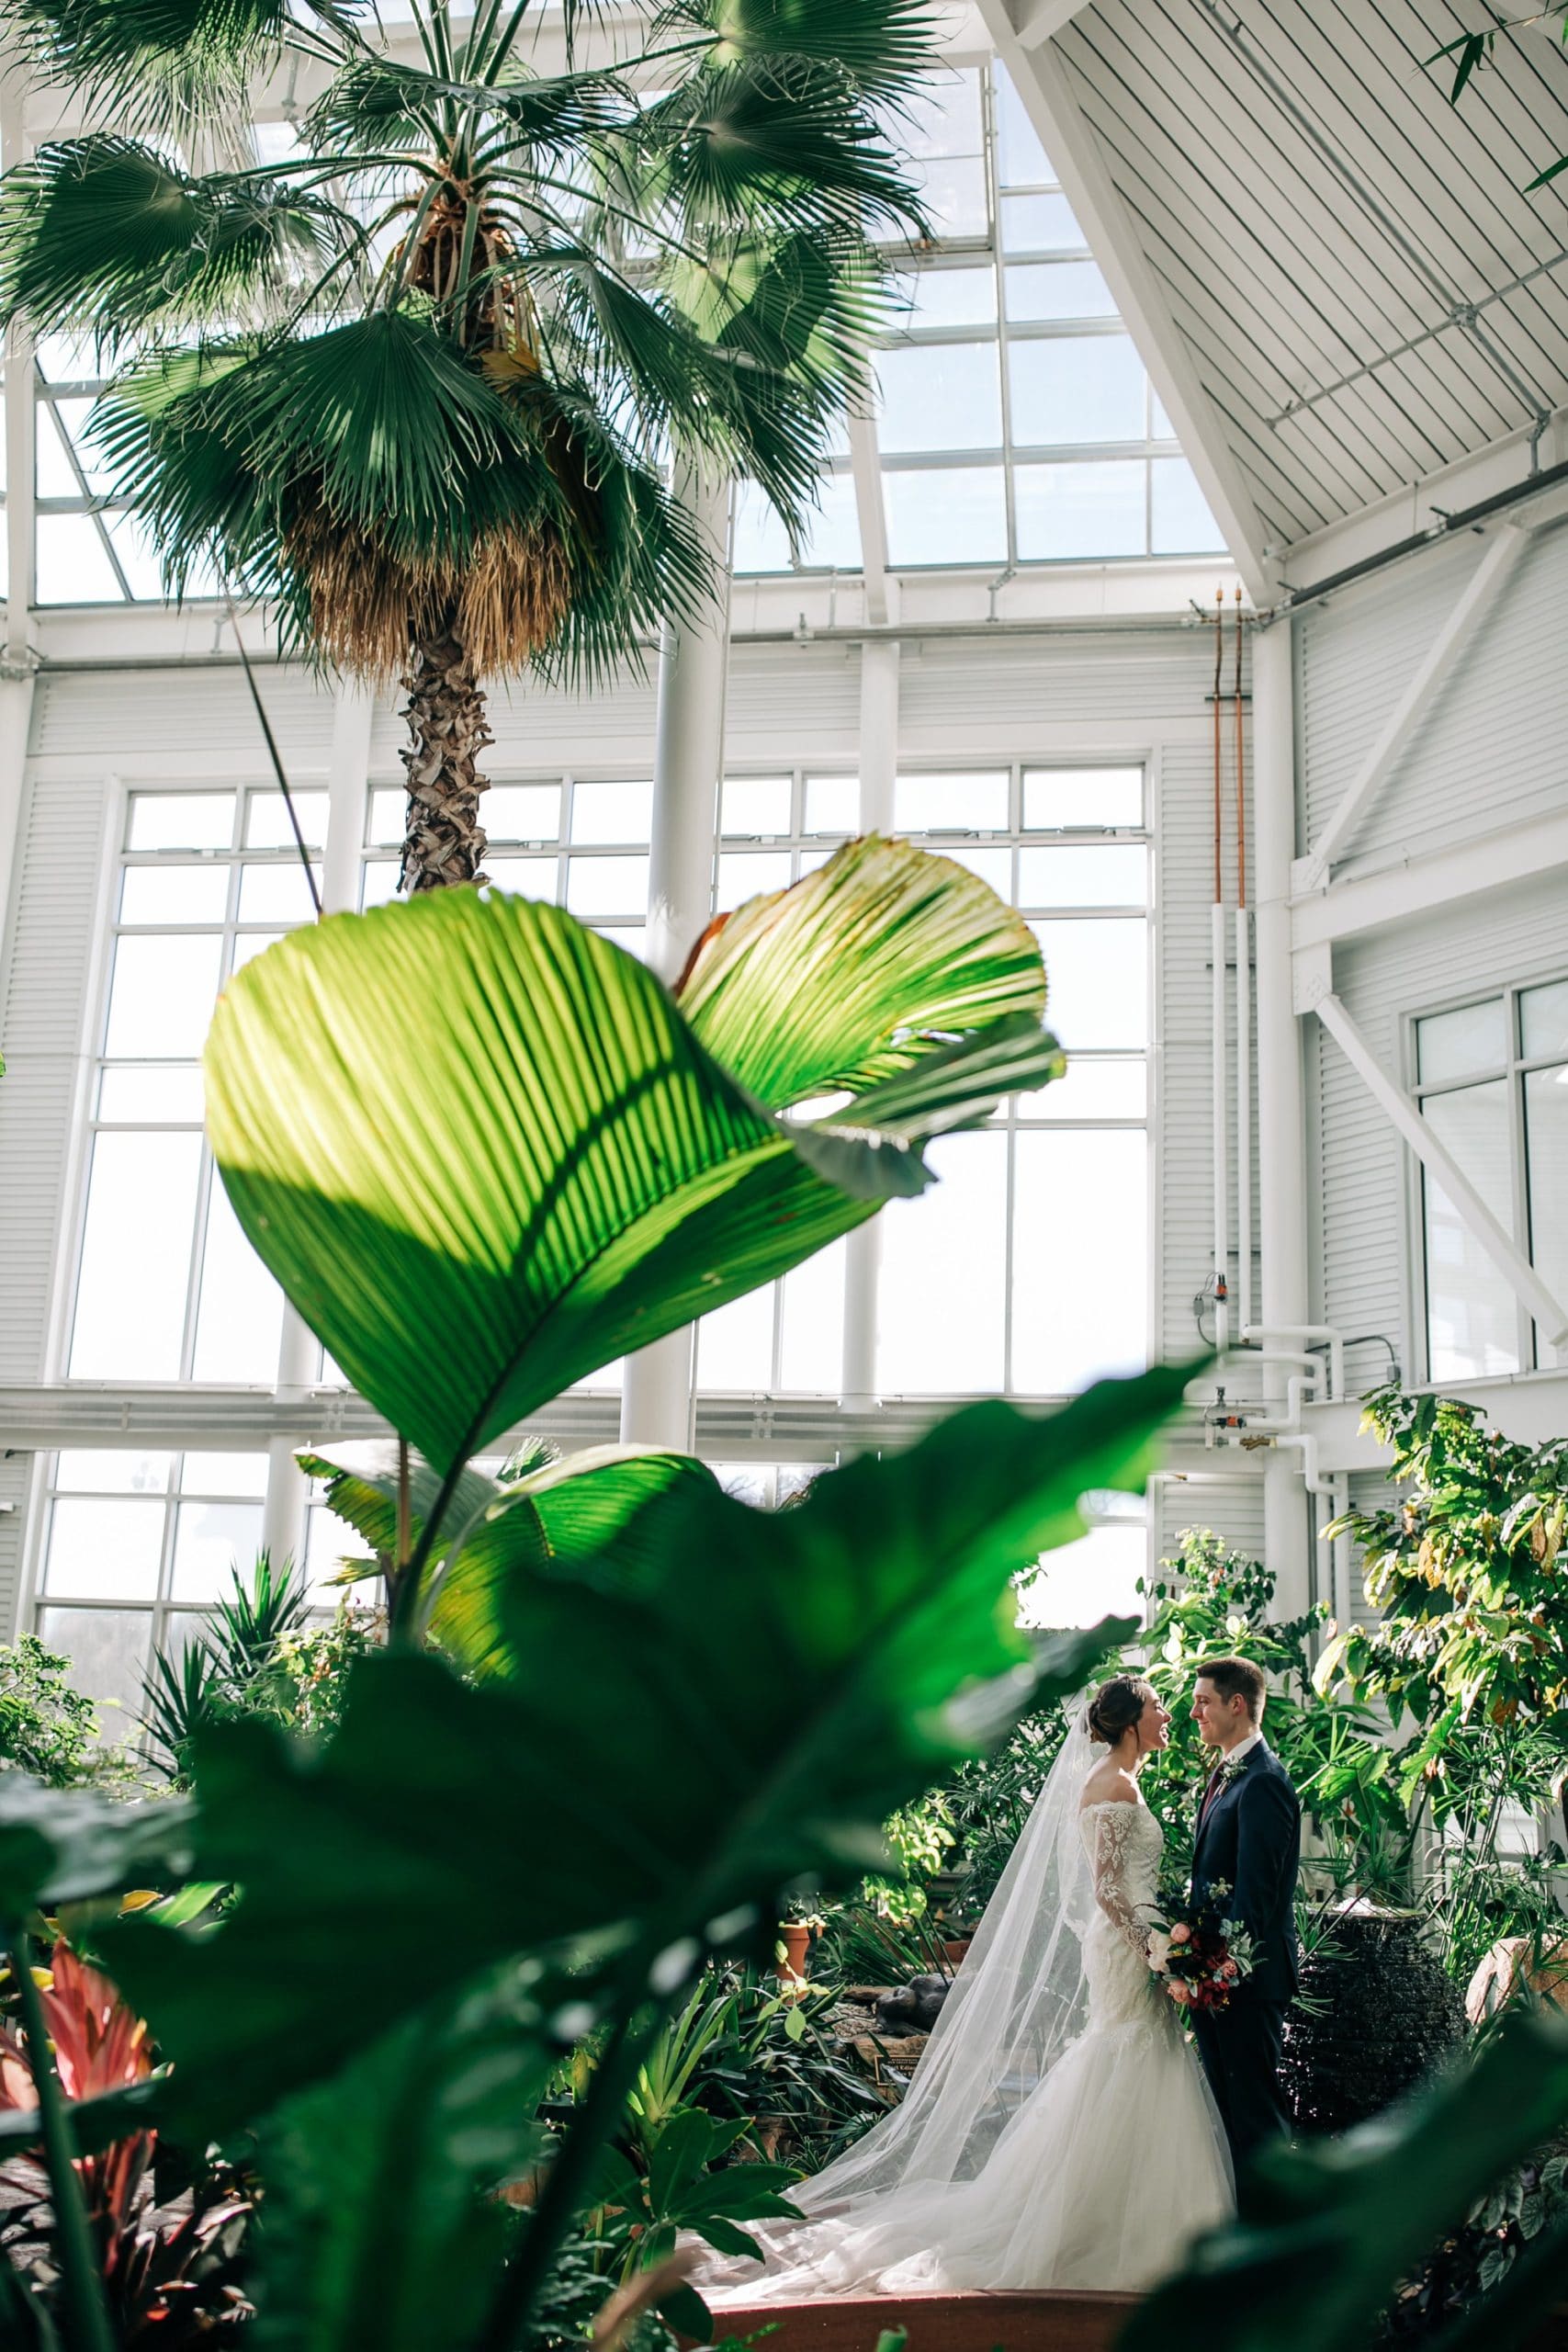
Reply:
x=1236 y=1677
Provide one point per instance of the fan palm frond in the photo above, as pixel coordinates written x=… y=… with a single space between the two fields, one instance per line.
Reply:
x=109 y=227
x=417 y=381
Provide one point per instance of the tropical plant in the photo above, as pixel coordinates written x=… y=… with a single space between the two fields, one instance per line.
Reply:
x=167 y=2254
x=1468 y=52
x=622 y=1167
x=678 y=2181
x=1330 y=2231
x=1212 y=1598
x=414 y=380
x=1469 y=1653
x=484 y=1150
x=230 y=1664
x=46 y=1728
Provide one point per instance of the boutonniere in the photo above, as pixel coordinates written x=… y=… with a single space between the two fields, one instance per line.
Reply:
x=1231 y=1770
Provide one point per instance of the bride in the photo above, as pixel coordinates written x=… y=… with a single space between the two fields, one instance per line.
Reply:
x=1058 y=2131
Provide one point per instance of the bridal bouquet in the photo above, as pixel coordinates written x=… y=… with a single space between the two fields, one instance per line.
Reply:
x=1201 y=1962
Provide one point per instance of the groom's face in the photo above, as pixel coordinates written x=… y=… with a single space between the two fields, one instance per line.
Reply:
x=1220 y=1721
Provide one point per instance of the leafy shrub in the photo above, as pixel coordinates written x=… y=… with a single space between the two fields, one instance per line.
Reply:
x=47 y=1729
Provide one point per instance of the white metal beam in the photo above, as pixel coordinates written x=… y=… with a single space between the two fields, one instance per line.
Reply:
x=1527 y=852
x=1037 y=20
x=1470 y=606
x=1515 y=1268
x=1080 y=166
x=878 y=758
x=865 y=465
x=688 y=758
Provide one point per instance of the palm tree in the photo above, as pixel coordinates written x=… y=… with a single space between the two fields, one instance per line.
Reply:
x=418 y=383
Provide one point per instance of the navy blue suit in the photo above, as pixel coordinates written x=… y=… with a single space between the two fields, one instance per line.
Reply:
x=1249 y=1843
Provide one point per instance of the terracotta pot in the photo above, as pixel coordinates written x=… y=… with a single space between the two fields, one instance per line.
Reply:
x=795 y=1938
x=1512 y=1961
x=956 y=1948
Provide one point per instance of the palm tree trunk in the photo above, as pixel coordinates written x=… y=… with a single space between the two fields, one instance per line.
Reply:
x=444 y=841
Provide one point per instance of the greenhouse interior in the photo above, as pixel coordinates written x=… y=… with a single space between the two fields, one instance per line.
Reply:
x=783 y=1349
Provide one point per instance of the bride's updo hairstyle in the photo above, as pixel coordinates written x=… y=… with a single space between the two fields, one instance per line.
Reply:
x=1116 y=1706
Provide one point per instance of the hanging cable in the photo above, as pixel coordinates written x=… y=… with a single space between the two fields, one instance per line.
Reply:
x=275 y=756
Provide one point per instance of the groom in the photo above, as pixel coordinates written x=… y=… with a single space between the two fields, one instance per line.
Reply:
x=1243 y=1867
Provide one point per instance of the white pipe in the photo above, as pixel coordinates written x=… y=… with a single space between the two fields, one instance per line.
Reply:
x=1220 y=1127
x=1282 y=1120
x=1328 y=1332
x=1316 y=1482
x=1244 y=1117
x=1343 y=1605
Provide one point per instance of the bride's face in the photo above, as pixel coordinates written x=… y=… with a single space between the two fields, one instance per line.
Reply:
x=1153 y=1726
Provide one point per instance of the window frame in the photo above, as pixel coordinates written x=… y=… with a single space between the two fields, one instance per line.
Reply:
x=1531 y=1345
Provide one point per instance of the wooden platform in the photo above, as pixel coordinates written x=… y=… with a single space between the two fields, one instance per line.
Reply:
x=1001 y=2323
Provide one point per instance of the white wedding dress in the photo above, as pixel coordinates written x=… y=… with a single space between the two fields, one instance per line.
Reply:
x=1058 y=2132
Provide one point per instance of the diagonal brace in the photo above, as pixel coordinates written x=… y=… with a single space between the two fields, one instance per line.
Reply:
x=1434 y=1155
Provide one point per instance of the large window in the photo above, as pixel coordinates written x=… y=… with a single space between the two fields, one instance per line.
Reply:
x=981 y=1289
x=1491 y=1080
x=1016 y=422
x=136 y=1548
x=168 y=1287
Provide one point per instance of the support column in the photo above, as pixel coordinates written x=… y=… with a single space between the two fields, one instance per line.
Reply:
x=1282 y=1122
x=348 y=774
x=287 y=1490
x=283 y=1516
x=18 y=659
x=878 y=772
x=688 y=758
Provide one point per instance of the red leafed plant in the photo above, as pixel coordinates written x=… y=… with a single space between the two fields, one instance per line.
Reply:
x=169 y=2263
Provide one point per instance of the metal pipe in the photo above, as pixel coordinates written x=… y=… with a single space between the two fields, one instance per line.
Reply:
x=1282 y=1137
x=1244 y=1117
x=1464 y=519
x=1220 y=1130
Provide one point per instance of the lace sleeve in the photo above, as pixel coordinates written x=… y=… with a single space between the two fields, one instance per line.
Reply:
x=1111 y=1830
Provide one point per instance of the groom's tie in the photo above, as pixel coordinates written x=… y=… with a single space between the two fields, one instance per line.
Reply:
x=1209 y=1793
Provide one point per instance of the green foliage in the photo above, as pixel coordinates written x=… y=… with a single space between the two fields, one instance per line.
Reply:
x=235 y=1668
x=1212 y=1599
x=376 y=2236
x=1470 y=1654
x=1463 y=1564
x=1468 y=52
x=590 y=1507
x=1330 y=2228
x=679 y=2184
x=791 y=1670
x=1474 y=2258
x=476 y=298
x=602 y=1178
x=47 y=1729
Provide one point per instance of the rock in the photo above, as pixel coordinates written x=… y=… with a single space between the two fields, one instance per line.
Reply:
x=1512 y=1961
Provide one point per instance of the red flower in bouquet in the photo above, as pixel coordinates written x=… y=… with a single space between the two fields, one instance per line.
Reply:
x=1200 y=1961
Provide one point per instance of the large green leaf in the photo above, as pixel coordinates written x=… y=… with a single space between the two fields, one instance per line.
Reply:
x=66 y=1846
x=1331 y=2227
x=379 y=2234
x=590 y=1507
x=483 y=1153
x=659 y=1763
x=857 y=971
